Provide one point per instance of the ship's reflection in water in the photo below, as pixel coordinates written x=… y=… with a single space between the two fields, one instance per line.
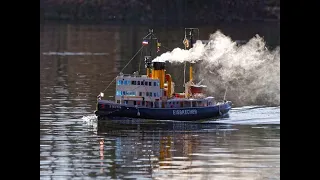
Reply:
x=182 y=150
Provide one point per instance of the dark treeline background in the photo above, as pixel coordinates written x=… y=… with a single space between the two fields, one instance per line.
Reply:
x=160 y=11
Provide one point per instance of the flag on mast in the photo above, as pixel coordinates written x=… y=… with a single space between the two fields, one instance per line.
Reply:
x=145 y=42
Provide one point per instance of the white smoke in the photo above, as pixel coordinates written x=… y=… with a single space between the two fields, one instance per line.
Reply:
x=182 y=55
x=249 y=72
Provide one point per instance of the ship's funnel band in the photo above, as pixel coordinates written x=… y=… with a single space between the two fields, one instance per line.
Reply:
x=159 y=65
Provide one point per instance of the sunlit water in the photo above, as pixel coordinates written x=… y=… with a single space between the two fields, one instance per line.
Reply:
x=74 y=145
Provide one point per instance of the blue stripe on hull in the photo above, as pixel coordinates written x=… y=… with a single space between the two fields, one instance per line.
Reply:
x=111 y=109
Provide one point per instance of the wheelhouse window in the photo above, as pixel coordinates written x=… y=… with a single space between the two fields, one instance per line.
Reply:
x=119 y=82
x=138 y=82
x=154 y=83
x=119 y=93
x=131 y=93
x=149 y=83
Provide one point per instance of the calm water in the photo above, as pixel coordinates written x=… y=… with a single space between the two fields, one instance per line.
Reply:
x=77 y=62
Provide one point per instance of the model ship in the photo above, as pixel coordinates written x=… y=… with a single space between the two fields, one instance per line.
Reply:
x=153 y=96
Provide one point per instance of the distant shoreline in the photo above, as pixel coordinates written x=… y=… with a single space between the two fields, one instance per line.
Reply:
x=161 y=23
x=166 y=13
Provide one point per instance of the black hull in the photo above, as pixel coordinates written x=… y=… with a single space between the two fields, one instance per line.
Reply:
x=109 y=109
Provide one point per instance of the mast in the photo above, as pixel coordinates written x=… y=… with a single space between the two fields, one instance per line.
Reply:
x=188 y=42
x=191 y=63
x=148 y=41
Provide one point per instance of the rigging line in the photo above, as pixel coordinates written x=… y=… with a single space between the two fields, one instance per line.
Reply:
x=140 y=62
x=166 y=48
x=146 y=36
x=123 y=69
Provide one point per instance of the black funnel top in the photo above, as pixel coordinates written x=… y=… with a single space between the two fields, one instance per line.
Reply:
x=159 y=65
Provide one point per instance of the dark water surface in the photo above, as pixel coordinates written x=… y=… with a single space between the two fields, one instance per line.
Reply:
x=79 y=61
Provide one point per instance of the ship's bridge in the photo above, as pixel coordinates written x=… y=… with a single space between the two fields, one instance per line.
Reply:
x=136 y=88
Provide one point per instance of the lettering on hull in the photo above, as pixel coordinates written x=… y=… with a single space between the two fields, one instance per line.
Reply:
x=115 y=107
x=184 y=112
